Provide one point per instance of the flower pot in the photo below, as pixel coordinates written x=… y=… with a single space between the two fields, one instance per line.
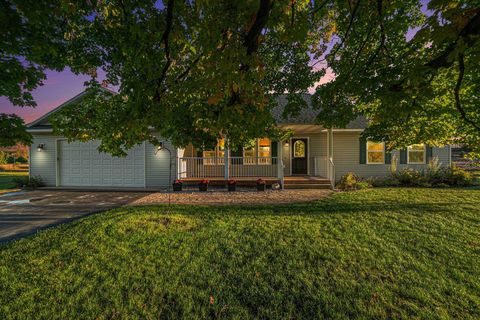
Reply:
x=260 y=186
x=203 y=187
x=177 y=186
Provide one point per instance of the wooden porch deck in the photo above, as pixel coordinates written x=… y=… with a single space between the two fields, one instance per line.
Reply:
x=291 y=182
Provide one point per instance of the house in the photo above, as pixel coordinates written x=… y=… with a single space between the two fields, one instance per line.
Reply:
x=315 y=154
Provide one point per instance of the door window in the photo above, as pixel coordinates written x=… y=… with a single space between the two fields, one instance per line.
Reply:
x=299 y=149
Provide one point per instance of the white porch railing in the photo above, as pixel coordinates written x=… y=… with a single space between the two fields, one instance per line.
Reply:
x=238 y=167
x=331 y=171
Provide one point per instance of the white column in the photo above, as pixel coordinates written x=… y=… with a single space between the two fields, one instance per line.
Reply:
x=226 y=159
x=331 y=172
x=280 y=173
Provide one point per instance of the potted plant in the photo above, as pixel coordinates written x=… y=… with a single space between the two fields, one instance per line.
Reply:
x=261 y=185
x=177 y=185
x=203 y=185
x=232 y=185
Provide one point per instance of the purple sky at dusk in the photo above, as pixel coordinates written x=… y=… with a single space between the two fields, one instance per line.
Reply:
x=62 y=86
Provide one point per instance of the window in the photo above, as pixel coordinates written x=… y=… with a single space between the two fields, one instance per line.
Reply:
x=218 y=154
x=299 y=149
x=264 y=151
x=258 y=152
x=416 y=154
x=375 y=152
x=249 y=156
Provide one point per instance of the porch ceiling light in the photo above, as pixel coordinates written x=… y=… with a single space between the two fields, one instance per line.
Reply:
x=40 y=147
x=286 y=143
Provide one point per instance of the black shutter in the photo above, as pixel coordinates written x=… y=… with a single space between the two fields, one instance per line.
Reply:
x=200 y=155
x=274 y=152
x=363 y=150
x=429 y=151
x=237 y=153
x=388 y=156
x=403 y=156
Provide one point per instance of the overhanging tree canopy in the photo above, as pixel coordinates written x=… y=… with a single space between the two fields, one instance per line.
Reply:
x=196 y=70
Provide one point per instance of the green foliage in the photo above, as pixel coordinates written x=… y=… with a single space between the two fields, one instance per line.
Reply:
x=3 y=157
x=380 y=253
x=28 y=182
x=197 y=70
x=434 y=176
x=348 y=181
x=12 y=131
x=420 y=89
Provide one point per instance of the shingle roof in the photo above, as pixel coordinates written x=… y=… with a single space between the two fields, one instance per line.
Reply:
x=305 y=116
x=308 y=115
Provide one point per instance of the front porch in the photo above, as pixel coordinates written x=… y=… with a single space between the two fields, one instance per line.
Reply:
x=305 y=159
x=289 y=182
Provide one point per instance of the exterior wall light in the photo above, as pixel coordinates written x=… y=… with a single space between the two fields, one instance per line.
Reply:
x=40 y=147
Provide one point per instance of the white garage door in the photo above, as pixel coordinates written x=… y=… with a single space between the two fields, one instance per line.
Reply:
x=81 y=164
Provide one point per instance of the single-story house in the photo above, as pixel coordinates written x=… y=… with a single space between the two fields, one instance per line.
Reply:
x=313 y=152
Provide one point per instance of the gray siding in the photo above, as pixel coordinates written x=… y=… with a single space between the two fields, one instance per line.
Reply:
x=43 y=163
x=346 y=157
x=157 y=167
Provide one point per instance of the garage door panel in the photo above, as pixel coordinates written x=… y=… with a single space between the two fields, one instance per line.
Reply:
x=82 y=165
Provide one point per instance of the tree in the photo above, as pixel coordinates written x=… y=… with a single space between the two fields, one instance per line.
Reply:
x=197 y=70
x=423 y=89
x=12 y=131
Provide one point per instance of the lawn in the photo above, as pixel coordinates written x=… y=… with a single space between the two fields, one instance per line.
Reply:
x=382 y=253
x=6 y=180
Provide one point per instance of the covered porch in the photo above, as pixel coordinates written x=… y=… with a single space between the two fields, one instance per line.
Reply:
x=308 y=154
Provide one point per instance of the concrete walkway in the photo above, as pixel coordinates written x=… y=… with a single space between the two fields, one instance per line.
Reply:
x=24 y=213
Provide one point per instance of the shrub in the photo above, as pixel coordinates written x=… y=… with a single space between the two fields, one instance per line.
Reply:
x=363 y=185
x=409 y=177
x=434 y=167
x=28 y=182
x=459 y=177
x=348 y=181
x=3 y=157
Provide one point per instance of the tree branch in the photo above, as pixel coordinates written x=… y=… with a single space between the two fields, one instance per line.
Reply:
x=458 y=105
x=165 y=38
x=261 y=18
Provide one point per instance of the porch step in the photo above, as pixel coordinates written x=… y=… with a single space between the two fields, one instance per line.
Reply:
x=308 y=186
x=307 y=181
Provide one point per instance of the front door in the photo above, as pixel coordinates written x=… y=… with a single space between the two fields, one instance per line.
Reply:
x=299 y=156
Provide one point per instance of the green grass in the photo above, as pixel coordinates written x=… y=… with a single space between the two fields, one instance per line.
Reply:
x=6 y=180
x=382 y=253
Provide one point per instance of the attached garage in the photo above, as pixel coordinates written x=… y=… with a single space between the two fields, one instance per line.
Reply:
x=80 y=164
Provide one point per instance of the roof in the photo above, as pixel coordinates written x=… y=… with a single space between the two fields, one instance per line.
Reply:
x=308 y=115
x=305 y=116
x=42 y=123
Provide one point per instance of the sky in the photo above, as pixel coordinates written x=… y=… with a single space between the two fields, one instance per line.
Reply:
x=62 y=86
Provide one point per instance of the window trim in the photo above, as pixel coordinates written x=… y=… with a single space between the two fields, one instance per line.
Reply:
x=247 y=163
x=383 y=152
x=264 y=161
x=216 y=160
x=424 y=154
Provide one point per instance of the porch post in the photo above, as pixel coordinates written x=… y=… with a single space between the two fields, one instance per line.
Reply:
x=280 y=163
x=226 y=156
x=331 y=172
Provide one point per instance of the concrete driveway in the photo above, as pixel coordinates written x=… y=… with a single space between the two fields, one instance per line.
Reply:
x=24 y=213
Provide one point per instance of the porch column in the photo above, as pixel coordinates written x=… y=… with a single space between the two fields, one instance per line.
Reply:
x=280 y=163
x=226 y=156
x=330 y=143
x=330 y=165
